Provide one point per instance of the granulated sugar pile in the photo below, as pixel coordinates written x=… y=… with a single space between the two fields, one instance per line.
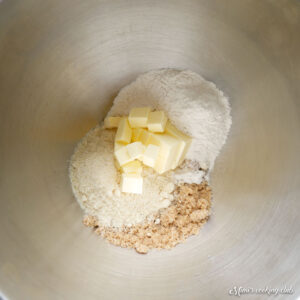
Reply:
x=173 y=204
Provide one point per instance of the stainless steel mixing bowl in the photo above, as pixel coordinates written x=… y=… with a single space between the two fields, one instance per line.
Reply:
x=62 y=63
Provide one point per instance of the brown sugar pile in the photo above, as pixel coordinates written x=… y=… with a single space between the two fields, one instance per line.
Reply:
x=183 y=218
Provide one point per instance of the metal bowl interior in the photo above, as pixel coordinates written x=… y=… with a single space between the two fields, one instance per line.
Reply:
x=62 y=63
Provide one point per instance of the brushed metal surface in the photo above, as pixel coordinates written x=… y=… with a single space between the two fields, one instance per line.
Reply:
x=62 y=63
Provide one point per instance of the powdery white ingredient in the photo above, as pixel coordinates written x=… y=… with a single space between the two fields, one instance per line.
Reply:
x=192 y=103
x=190 y=172
x=95 y=183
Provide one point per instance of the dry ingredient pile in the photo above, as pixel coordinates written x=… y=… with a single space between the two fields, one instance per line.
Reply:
x=173 y=205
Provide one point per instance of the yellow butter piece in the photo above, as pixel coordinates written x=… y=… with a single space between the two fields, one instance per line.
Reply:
x=132 y=183
x=111 y=122
x=118 y=146
x=117 y=165
x=150 y=155
x=168 y=153
x=157 y=121
x=145 y=137
x=136 y=134
x=135 y=150
x=138 y=117
x=124 y=131
x=185 y=142
x=122 y=156
x=133 y=167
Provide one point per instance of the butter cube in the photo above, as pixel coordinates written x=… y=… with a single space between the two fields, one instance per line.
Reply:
x=150 y=155
x=157 y=121
x=185 y=142
x=168 y=153
x=122 y=156
x=138 y=117
x=132 y=183
x=136 y=132
x=145 y=137
x=118 y=146
x=111 y=122
x=133 y=167
x=135 y=150
x=124 y=131
x=117 y=165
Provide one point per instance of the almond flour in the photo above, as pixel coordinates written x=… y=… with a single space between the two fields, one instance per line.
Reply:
x=96 y=183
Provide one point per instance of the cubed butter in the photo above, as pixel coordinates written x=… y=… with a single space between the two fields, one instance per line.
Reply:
x=122 y=156
x=132 y=183
x=124 y=131
x=145 y=137
x=118 y=146
x=138 y=117
x=135 y=150
x=117 y=165
x=150 y=155
x=136 y=132
x=133 y=167
x=185 y=142
x=157 y=121
x=111 y=122
x=169 y=148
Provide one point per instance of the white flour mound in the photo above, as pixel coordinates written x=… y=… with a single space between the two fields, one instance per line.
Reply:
x=95 y=183
x=192 y=103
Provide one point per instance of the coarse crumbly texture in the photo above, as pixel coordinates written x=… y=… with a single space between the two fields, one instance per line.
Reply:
x=183 y=218
x=96 y=183
x=194 y=105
